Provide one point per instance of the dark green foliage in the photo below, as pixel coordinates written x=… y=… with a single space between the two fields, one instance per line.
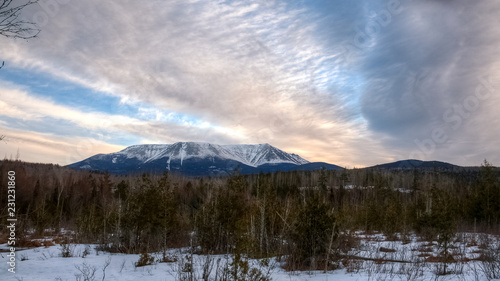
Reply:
x=322 y=181
x=122 y=191
x=485 y=202
x=296 y=215
x=151 y=219
x=436 y=215
x=311 y=232
x=220 y=222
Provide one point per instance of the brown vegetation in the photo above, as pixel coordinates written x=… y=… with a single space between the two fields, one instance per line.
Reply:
x=306 y=217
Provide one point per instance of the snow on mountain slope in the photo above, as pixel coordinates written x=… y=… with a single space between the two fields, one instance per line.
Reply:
x=251 y=155
x=259 y=154
x=143 y=152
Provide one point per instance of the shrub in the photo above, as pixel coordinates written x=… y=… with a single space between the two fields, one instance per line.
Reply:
x=240 y=269
x=67 y=250
x=145 y=259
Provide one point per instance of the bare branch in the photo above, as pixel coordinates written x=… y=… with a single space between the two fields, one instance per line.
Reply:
x=11 y=25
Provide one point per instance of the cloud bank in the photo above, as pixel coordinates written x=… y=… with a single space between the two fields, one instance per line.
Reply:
x=353 y=84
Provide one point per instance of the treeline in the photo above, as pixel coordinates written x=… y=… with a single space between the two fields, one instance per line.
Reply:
x=304 y=216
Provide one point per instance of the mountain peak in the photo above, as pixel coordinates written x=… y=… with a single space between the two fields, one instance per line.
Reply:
x=170 y=156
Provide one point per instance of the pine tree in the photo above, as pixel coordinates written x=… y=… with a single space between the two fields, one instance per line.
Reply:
x=311 y=233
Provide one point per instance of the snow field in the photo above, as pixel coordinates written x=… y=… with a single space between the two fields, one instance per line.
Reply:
x=376 y=258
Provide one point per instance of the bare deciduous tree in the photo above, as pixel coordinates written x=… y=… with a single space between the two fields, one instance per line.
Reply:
x=12 y=25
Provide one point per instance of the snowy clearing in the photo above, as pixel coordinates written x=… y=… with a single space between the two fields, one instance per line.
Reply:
x=376 y=258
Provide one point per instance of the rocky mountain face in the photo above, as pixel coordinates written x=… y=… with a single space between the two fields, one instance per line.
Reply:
x=198 y=159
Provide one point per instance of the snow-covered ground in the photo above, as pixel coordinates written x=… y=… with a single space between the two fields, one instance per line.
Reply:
x=375 y=259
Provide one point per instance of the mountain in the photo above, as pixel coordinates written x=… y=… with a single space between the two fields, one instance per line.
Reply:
x=417 y=164
x=198 y=159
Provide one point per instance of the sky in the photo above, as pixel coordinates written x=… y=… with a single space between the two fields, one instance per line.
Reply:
x=353 y=83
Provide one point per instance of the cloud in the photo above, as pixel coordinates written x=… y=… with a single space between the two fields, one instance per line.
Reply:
x=297 y=75
x=22 y=111
x=38 y=147
x=19 y=104
x=427 y=62
x=254 y=70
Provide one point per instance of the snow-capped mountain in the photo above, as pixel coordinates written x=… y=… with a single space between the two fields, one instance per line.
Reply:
x=195 y=158
x=251 y=155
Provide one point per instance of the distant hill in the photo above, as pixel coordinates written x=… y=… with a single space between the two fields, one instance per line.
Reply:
x=198 y=159
x=417 y=164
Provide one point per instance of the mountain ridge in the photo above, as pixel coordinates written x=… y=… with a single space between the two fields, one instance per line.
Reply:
x=248 y=154
x=198 y=158
x=416 y=164
x=207 y=159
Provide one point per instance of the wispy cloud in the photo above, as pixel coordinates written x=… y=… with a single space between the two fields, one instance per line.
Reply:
x=294 y=74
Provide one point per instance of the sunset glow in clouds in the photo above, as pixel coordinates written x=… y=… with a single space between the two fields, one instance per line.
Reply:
x=354 y=83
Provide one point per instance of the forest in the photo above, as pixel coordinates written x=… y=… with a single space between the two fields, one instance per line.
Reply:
x=306 y=219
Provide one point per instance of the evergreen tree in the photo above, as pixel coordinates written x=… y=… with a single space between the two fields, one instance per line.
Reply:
x=311 y=233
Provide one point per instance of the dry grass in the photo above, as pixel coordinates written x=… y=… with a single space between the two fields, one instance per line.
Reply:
x=387 y=250
x=439 y=259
